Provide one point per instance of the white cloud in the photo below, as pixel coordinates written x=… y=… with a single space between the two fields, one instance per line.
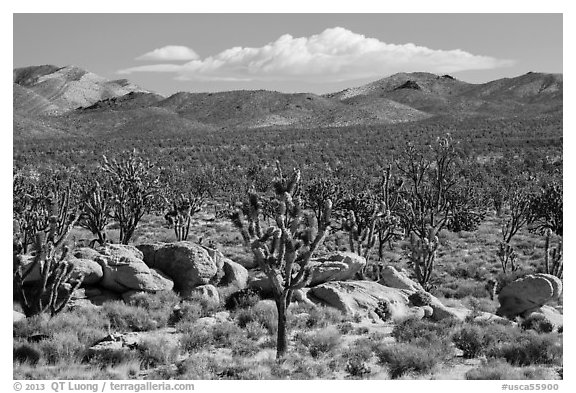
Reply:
x=170 y=53
x=336 y=54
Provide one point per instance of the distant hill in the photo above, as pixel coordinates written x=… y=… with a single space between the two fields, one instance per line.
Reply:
x=65 y=88
x=261 y=108
x=532 y=93
x=53 y=101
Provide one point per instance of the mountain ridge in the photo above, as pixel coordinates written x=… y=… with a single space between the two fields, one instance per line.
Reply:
x=67 y=99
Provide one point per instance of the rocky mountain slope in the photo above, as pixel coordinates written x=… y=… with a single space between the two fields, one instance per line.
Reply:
x=51 y=101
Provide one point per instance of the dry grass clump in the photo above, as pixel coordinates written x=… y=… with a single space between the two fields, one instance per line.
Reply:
x=496 y=369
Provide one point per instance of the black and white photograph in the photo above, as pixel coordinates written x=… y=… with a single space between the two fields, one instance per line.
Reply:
x=287 y=196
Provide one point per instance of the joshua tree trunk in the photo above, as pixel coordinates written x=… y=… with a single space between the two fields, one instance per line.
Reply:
x=282 y=339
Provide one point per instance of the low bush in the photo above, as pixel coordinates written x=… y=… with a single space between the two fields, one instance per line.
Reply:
x=537 y=322
x=87 y=324
x=187 y=313
x=160 y=305
x=254 y=330
x=208 y=306
x=155 y=301
x=113 y=358
x=357 y=368
x=420 y=298
x=262 y=313
x=357 y=356
x=471 y=340
x=321 y=342
x=155 y=351
x=404 y=358
x=62 y=347
x=530 y=348
x=478 y=338
x=25 y=353
x=495 y=369
x=306 y=316
x=225 y=334
x=382 y=309
x=195 y=337
x=244 y=347
x=124 y=317
x=244 y=298
x=421 y=330
x=345 y=327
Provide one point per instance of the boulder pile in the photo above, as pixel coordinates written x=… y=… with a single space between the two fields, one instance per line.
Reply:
x=117 y=271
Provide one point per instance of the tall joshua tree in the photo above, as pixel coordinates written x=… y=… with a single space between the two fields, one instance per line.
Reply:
x=283 y=250
x=432 y=201
x=134 y=185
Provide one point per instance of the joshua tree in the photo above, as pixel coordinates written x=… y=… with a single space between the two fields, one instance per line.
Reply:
x=518 y=216
x=283 y=250
x=546 y=210
x=431 y=201
x=389 y=227
x=553 y=258
x=38 y=207
x=96 y=209
x=134 y=186
x=56 y=284
x=364 y=211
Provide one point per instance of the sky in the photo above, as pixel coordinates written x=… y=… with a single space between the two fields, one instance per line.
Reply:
x=317 y=53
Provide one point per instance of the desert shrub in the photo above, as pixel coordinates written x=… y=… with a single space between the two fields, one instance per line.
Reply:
x=199 y=366
x=345 y=327
x=209 y=307
x=298 y=366
x=478 y=338
x=478 y=305
x=530 y=348
x=65 y=337
x=495 y=369
x=470 y=288
x=382 y=309
x=537 y=322
x=306 y=316
x=244 y=298
x=26 y=353
x=37 y=324
x=77 y=371
x=160 y=305
x=471 y=340
x=420 y=299
x=155 y=301
x=263 y=313
x=403 y=358
x=416 y=330
x=87 y=324
x=187 y=313
x=243 y=346
x=361 y=330
x=357 y=356
x=364 y=347
x=225 y=334
x=125 y=317
x=62 y=347
x=321 y=341
x=113 y=358
x=195 y=337
x=254 y=330
x=357 y=368
x=155 y=351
